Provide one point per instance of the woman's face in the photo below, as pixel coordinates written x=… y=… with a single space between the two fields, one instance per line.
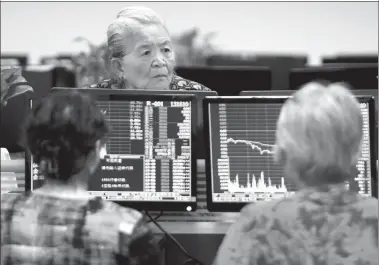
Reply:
x=149 y=63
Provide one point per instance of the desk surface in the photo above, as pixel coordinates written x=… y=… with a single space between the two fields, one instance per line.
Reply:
x=215 y=228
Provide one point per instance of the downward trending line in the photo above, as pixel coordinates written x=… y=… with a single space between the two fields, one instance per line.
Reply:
x=254 y=145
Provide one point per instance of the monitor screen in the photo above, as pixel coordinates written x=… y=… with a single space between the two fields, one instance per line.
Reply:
x=357 y=76
x=240 y=166
x=147 y=162
x=229 y=81
x=13 y=169
x=350 y=59
x=18 y=59
x=41 y=78
x=198 y=111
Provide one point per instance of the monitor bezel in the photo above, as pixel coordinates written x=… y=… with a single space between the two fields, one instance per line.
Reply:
x=227 y=206
x=372 y=123
x=236 y=206
x=200 y=95
x=254 y=93
x=135 y=91
x=146 y=205
x=358 y=93
x=338 y=70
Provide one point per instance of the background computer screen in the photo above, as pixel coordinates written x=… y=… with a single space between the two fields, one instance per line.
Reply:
x=229 y=81
x=148 y=155
x=13 y=169
x=242 y=135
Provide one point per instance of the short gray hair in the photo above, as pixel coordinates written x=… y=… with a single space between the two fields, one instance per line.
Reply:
x=319 y=128
x=124 y=25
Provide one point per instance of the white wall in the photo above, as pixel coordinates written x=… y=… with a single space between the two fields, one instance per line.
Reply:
x=42 y=28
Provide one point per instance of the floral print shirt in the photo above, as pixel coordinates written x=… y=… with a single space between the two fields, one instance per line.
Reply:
x=47 y=230
x=317 y=226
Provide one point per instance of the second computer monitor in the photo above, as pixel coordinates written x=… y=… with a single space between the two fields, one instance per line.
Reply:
x=200 y=148
x=240 y=167
x=229 y=81
x=148 y=161
x=362 y=92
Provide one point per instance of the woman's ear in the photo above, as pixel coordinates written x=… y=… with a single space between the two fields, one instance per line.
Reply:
x=117 y=66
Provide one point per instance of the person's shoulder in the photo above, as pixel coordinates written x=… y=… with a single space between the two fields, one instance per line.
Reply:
x=180 y=83
x=118 y=221
x=368 y=206
x=133 y=235
x=8 y=201
x=123 y=215
x=262 y=215
x=257 y=212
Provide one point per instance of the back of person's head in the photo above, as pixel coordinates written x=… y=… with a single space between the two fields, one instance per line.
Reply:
x=319 y=131
x=65 y=131
x=127 y=22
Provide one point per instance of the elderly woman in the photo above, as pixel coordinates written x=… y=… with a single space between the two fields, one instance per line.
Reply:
x=60 y=223
x=318 y=140
x=141 y=54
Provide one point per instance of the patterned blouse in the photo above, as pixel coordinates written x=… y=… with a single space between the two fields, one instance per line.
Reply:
x=324 y=226
x=177 y=83
x=46 y=230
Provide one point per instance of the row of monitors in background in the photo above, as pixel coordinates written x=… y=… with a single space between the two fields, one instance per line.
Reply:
x=21 y=59
x=280 y=65
x=149 y=161
x=230 y=80
x=227 y=81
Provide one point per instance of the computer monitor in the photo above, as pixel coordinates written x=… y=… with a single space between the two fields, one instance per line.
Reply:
x=229 y=81
x=357 y=76
x=12 y=118
x=240 y=168
x=198 y=111
x=350 y=59
x=21 y=59
x=149 y=161
x=41 y=78
x=13 y=169
x=279 y=64
x=362 y=92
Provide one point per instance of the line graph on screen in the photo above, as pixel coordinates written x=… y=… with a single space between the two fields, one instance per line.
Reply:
x=249 y=137
x=260 y=147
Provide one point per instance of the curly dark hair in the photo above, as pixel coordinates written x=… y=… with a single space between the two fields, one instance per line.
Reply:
x=62 y=130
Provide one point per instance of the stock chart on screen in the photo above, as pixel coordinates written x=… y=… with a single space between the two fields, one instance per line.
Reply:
x=148 y=155
x=242 y=137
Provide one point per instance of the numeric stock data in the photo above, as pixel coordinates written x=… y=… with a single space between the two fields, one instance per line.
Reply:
x=148 y=153
x=242 y=137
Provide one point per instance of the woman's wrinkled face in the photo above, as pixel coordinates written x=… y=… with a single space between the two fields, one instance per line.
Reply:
x=149 y=62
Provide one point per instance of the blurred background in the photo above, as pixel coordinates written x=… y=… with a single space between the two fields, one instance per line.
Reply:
x=72 y=35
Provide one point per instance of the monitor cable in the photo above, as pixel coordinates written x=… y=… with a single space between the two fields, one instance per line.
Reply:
x=156 y=217
x=190 y=258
